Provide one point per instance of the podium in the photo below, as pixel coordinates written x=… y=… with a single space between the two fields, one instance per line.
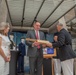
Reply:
x=51 y=58
x=13 y=62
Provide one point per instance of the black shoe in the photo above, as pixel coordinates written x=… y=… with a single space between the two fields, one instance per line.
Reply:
x=22 y=71
x=18 y=72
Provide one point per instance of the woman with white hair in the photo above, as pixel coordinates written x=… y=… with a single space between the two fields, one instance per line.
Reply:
x=4 y=49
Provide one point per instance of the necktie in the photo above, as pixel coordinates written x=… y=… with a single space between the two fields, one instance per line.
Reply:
x=37 y=37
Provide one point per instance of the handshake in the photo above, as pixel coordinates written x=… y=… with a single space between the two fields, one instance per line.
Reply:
x=43 y=42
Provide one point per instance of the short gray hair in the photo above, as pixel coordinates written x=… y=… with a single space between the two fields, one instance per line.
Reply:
x=60 y=24
x=4 y=25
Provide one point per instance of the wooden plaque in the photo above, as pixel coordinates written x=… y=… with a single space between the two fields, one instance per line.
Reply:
x=40 y=41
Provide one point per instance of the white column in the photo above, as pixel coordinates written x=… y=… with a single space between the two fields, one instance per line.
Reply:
x=75 y=1
x=3 y=11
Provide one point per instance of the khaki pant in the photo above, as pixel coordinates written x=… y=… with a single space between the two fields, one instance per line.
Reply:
x=67 y=67
x=57 y=66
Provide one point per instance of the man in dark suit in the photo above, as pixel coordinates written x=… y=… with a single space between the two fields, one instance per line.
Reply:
x=66 y=53
x=22 y=49
x=35 y=51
